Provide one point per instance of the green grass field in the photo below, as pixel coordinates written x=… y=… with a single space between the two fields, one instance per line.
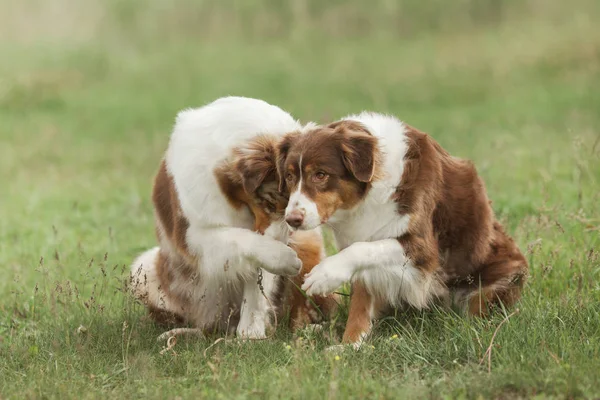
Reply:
x=88 y=94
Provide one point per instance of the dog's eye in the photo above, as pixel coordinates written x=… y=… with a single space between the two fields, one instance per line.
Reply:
x=289 y=177
x=319 y=176
x=269 y=207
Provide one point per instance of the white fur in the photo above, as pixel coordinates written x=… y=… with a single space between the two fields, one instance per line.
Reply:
x=144 y=282
x=381 y=265
x=300 y=202
x=220 y=236
x=366 y=235
x=254 y=315
x=308 y=208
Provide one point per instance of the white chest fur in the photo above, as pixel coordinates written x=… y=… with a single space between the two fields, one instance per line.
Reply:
x=368 y=223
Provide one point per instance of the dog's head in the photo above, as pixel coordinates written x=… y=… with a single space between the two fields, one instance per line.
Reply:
x=254 y=164
x=326 y=169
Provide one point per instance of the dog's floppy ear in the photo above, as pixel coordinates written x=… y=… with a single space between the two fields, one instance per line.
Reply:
x=255 y=161
x=282 y=152
x=359 y=149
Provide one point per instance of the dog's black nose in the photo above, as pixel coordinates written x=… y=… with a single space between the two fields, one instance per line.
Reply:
x=295 y=219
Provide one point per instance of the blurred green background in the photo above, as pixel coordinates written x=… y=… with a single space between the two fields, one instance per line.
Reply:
x=88 y=94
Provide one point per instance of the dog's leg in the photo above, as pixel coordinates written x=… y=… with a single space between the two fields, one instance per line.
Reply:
x=217 y=246
x=398 y=269
x=364 y=308
x=256 y=309
x=505 y=288
x=394 y=270
x=304 y=312
x=367 y=257
x=498 y=280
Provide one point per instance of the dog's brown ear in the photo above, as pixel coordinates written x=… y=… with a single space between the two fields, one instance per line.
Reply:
x=359 y=149
x=282 y=152
x=255 y=161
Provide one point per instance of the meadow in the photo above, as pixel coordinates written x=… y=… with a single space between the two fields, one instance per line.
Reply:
x=88 y=95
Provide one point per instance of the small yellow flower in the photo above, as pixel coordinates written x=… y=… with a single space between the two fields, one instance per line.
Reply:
x=372 y=346
x=288 y=347
x=337 y=358
x=394 y=336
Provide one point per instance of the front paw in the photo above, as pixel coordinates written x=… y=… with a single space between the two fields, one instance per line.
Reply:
x=291 y=265
x=340 y=348
x=286 y=263
x=257 y=329
x=277 y=258
x=326 y=277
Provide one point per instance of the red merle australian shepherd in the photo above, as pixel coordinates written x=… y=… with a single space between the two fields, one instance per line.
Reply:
x=412 y=223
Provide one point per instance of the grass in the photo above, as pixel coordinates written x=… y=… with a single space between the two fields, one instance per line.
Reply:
x=88 y=93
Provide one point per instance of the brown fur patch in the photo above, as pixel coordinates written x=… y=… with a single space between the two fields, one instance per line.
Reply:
x=363 y=308
x=249 y=178
x=451 y=215
x=309 y=247
x=168 y=212
x=164 y=317
x=231 y=185
x=256 y=161
x=359 y=149
x=166 y=275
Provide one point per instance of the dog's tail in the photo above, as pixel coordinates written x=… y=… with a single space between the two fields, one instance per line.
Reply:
x=144 y=282
x=146 y=286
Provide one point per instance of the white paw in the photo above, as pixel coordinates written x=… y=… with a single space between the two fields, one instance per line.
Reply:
x=279 y=259
x=255 y=329
x=330 y=274
x=340 y=348
x=336 y=349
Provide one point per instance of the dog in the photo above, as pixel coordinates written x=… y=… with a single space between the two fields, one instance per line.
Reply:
x=413 y=224
x=219 y=224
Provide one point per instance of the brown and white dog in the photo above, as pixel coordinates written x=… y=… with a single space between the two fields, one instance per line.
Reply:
x=219 y=219
x=412 y=223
